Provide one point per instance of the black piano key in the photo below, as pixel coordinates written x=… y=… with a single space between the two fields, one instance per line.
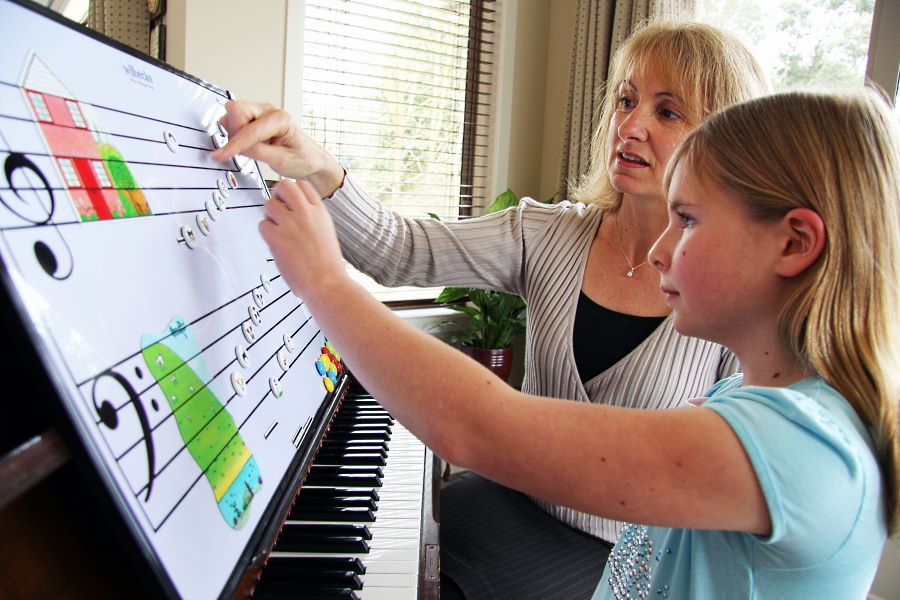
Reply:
x=366 y=480
x=266 y=591
x=339 y=514
x=292 y=532
x=350 y=458
x=324 y=563
x=382 y=433
x=346 y=470
x=348 y=437
x=361 y=419
x=332 y=501
x=356 y=446
x=341 y=544
x=308 y=492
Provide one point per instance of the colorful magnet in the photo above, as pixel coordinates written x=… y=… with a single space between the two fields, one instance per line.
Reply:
x=332 y=376
x=232 y=180
x=203 y=224
x=320 y=367
x=189 y=237
x=289 y=343
x=283 y=359
x=275 y=386
x=170 y=140
x=219 y=199
x=219 y=140
x=238 y=383
x=242 y=357
x=213 y=210
x=329 y=385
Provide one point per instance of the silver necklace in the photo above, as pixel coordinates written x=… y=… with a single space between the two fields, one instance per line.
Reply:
x=632 y=268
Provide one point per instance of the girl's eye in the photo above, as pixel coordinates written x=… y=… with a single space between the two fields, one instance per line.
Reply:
x=686 y=220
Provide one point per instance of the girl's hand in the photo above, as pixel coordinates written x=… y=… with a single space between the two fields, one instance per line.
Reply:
x=268 y=134
x=301 y=237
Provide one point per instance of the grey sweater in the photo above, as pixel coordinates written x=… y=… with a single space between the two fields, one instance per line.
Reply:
x=538 y=251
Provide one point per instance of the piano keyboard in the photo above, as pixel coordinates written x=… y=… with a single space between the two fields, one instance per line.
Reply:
x=355 y=529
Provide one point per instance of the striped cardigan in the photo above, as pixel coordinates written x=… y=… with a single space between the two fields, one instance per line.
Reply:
x=538 y=251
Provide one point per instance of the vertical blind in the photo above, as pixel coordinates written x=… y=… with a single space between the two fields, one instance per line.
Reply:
x=400 y=92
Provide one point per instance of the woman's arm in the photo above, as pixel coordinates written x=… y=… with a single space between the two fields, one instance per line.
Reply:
x=268 y=134
x=484 y=253
x=681 y=468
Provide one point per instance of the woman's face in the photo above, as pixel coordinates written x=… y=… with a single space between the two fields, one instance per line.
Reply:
x=648 y=123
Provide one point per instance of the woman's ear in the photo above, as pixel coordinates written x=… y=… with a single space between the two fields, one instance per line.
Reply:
x=804 y=240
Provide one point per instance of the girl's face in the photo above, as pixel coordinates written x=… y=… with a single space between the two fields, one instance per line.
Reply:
x=716 y=262
x=648 y=123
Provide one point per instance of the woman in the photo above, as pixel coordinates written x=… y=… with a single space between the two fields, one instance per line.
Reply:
x=598 y=327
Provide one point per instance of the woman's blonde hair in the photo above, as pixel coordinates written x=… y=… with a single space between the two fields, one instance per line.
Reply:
x=838 y=155
x=708 y=68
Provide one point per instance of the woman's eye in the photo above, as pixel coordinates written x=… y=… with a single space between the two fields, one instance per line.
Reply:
x=669 y=114
x=625 y=102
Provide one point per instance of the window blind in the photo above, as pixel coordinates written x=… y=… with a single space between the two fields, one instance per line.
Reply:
x=400 y=92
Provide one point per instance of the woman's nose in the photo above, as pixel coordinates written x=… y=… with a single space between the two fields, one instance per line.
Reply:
x=633 y=127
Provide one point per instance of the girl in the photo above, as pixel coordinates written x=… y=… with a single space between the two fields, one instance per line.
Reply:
x=783 y=244
x=582 y=270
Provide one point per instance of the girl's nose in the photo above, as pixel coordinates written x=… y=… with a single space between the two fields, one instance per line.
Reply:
x=660 y=255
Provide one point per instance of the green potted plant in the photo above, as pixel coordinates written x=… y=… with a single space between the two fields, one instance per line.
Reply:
x=496 y=317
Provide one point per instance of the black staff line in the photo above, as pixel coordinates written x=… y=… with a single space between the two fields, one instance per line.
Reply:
x=171 y=333
x=99 y=221
x=116 y=110
x=101 y=132
x=204 y=386
x=133 y=162
x=186 y=364
x=239 y=427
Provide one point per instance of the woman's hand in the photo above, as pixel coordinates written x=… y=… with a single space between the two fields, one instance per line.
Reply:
x=269 y=134
x=301 y=237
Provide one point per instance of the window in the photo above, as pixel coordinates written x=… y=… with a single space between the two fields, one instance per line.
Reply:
x=40 y=107
x=399 y=92
x=814 y=44
x=101 y=174
x=75 y=112
x=67 y=167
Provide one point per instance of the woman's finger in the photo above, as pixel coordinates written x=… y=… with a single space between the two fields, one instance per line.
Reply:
x=263 y=127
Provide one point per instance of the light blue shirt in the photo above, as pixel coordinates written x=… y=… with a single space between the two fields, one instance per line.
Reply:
x=815 y=463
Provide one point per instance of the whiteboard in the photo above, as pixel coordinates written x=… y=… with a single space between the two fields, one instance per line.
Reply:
x=192 y=375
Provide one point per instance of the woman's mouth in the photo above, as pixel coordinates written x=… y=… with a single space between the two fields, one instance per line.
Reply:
x=631 y=160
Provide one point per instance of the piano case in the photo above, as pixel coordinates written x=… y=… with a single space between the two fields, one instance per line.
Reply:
x=147 y=324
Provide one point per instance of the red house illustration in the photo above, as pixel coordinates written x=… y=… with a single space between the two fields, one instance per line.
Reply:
x=94 y=173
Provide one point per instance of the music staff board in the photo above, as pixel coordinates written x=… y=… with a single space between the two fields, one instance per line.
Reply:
x=189 y=370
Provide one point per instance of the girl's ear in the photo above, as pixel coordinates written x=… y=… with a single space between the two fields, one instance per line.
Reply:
x=803 y=241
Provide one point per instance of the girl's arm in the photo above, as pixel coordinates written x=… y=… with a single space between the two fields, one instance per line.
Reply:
x=679 y=468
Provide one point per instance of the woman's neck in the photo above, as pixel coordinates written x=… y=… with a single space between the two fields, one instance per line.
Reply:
x=640 y=222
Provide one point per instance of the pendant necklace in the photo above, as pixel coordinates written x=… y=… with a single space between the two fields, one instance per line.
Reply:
x=632 y=268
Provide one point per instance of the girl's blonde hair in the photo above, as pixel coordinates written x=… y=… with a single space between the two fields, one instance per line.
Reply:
x=839 y=156
x=708 y=68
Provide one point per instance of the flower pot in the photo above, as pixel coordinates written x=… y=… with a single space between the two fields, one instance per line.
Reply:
x=497 y=360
